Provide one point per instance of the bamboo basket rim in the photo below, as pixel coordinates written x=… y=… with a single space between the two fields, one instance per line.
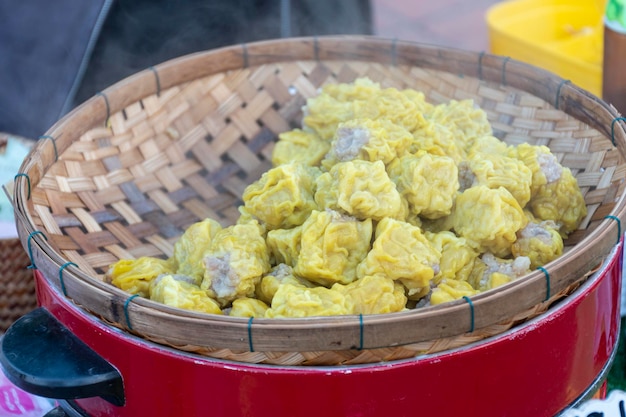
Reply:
x=357 y=332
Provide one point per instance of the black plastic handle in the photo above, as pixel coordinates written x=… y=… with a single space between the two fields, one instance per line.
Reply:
x=43 y=357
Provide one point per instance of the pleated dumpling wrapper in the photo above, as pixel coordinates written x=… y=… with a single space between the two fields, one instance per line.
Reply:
x=401 y=252
x=181 y=291
x=497 y=170
x=540 y=241
x=235 y=262
x=248 y=307
x=190 y=247
x=299 y=146
x=488 y=217
x=283 y=197
x=368 y=295
x=367 y=140
x=332 y=245
x=428 y=183
x=135 y=275
x=361 y=189
x=555 y=194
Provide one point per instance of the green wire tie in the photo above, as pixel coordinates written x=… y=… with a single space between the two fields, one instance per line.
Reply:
x=466 y=298
x=108 y=107
x=157 y=79
x=547 y=275
x=54 y=144
x=65 y=265
x=480 y=65
x=619 y=227
x=360 y=331
x=558 y=93
x=30 y=249
x=128 y=300
x=622 y=119
x=507 y=59
x=250 y=334
x=27 y=179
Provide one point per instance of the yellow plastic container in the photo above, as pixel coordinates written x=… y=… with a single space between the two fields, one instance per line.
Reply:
x=562 y=36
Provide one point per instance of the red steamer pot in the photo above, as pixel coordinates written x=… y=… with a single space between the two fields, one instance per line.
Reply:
x=540 y=368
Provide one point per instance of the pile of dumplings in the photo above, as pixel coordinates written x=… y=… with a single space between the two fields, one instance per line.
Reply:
x=381 y=202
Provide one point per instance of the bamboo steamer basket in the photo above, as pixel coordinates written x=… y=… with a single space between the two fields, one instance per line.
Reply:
x=17 y=286
x=125 y=173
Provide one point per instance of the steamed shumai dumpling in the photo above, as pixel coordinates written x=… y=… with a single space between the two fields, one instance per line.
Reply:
x=457 y=255
x=235 y=262
x=181 y=291
x=368 y=295
x=283 y=197
x=494 y=170
x=135 y=275
x=368 y=140
x=280 y=274
x=436 y=139
x=332 y=245
x=451 y=289
x=361 y=189
x=540 y=241
x=375 y=294
x=298 y=146
x=489 y=217
x=295 y=300
x=465 y=119
x=428 y=183
x=401 y=252
x=248 y=307
x=284 y=245
x=555 y=194
x=398 y=107
x=334 y=105
x=190 y=247
x=560 y=201
x=491 y=271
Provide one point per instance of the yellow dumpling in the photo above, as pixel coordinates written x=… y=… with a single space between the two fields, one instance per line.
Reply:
x=466 y=121
x=374 y=295
x=361 y=189
x=368 y=140
x=248 y=307
x=491 y=271
x=494 y=170
x=401 y=252
x=235 y=263
x=134 y=275
x=450 y=290
x=540 y=241
x=298 y=146
x=487 y=144
x=436 y=139
x=331 y=247
x=401 y=109
x=293 y=300
x=279 y=274
x=489 y=217
x=181 y=292
x=561 y=201
x=543 y=165
x=457 y=255
x=284 y=245
x=189 y=249
x=283 y=197
x=335 y=104
x=429 y=183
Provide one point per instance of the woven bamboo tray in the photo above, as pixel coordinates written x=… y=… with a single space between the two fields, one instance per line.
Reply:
x=125 y=173
x=17 y=286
